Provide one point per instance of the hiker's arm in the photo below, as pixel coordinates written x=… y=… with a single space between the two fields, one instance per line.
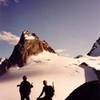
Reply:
x=18 y=85
x=41 y=93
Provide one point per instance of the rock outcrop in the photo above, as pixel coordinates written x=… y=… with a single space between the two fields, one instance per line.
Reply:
x=29 y=44
x=95 y=51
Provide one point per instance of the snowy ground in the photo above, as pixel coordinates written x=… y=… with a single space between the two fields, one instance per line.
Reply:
x=63 y=71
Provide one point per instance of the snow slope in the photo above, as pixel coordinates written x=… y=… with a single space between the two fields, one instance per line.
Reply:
x=63 y=71
x=93 y=62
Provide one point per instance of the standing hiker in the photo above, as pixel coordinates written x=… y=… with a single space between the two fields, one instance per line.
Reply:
x=25 y=89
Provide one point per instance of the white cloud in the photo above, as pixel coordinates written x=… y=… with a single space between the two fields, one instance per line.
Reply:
x=62 y=52
x=9 y=37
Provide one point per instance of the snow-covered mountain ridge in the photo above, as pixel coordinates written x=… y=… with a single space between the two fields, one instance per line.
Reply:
x=28 y=45
x=63 y=71
x=38 y=61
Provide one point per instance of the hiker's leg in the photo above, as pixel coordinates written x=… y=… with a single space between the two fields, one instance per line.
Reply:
x=50 y=98
x=41 y=98
x=22 y=97
x=27 y=98
x=46 y=98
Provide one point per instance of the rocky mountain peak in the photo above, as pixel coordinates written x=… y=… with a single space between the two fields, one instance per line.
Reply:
x=27 y=36
x=95 y=51
x=29 y=44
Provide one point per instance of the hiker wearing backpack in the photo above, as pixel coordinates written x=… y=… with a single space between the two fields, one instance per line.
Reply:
x=48 y=91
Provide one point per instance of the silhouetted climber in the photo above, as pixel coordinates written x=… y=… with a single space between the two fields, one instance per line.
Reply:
x=48 y=90
x=25 y=89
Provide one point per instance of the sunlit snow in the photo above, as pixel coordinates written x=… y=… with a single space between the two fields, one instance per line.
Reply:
x=64 y=72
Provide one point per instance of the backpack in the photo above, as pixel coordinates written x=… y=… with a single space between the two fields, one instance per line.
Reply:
x=51 y=91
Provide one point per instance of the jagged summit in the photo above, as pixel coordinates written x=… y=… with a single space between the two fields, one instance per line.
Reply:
x=29 y=44
x=95 y=51
x=27 y=36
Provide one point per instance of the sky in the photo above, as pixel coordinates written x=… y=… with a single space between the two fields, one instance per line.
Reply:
x=69 y=26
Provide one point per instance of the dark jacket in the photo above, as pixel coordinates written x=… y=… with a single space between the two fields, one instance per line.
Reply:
x=25 y=88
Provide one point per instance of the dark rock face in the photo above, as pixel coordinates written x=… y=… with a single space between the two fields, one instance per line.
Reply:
x=87 y=91
x=29 y=44
x=0 y=59
x=83 y=64
x=3 y=67
x=95 y=51
x=47 y=47
x=79 y=56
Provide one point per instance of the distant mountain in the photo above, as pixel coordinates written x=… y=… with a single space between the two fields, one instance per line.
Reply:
x=28 y=45
x=95 y=51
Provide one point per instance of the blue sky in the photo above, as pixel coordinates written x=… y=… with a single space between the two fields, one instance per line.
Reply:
x=69 y=25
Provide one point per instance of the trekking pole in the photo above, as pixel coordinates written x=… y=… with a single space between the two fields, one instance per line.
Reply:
x=53 y=84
